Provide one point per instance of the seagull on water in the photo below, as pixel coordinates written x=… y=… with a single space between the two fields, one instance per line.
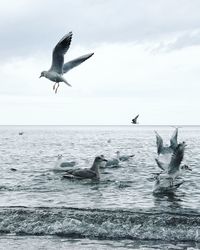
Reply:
x=61 y=165
x=161 y=149
x=58 y=68
x=114 y=162
x=123 y=157
x=86 y=173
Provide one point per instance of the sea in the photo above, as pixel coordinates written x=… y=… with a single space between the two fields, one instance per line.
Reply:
x=39 y=209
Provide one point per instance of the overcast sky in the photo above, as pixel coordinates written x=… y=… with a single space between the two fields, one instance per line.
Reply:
x=146 y=61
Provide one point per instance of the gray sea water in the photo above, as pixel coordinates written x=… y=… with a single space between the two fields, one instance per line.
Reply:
x=41 y=210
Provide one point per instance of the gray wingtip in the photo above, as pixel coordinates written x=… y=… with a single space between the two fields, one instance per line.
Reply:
x=90 y=54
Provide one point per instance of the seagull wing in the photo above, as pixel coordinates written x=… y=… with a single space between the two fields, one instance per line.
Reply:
x=159 y=143
x=136 y=117
x=173 y=140
x=160 y=164
x=58 y=53
x=85 y=173
x=73 y=63
x=71 y=171
x=176 y=158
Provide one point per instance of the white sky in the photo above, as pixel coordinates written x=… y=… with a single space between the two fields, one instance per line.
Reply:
x=146 y=61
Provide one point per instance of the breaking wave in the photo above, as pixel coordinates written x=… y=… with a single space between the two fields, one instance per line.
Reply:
x=100 y=224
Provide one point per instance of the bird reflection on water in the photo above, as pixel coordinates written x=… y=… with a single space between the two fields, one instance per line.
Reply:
x=169 y=200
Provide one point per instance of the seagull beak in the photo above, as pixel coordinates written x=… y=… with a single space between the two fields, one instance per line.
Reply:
x=40 y=76
x=189 y=169
x=105 y=160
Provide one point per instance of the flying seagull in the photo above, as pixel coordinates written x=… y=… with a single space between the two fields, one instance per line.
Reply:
x=58 y=68
x=134 y=120
x=174 y=169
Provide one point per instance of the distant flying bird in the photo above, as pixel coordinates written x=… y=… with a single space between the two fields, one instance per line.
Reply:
x=58 y=68
x=134 y=120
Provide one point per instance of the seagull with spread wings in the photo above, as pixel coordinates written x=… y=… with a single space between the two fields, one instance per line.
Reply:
x=174 y=169
x=58 y=68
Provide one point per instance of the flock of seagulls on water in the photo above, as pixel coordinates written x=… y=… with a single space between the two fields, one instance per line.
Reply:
x=169 y=157
x=168 y=161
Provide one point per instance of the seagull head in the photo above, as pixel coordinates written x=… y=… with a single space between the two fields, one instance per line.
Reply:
x=59 y=156
x=43 y=74
x=100 y=158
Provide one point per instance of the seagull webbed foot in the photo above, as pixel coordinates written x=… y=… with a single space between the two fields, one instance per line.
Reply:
x=57 y=88
x=54 y=86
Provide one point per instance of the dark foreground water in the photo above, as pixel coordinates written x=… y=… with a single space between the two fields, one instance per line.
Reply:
x=40 y=210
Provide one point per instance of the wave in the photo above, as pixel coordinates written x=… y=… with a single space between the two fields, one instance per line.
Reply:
x=101 y=224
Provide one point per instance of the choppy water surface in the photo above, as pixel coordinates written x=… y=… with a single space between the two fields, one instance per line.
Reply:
x=35 y=200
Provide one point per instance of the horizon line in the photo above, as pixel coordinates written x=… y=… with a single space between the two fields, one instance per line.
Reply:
x=131 y=125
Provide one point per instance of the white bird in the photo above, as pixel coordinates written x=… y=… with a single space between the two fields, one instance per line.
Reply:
x=161 y=149
x=123 y=157
x=58 y=68
x=86 y=173
x=62 y=165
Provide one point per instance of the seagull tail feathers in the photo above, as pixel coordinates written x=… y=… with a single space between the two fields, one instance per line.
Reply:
x=66 y=82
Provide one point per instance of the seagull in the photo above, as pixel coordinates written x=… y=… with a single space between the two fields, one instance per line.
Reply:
x=166 y=149
x=114 y=162
x=123 y=157
x=86 y=173
x=174 y=169
x=60 y=165
x=134 y=120
x=58 y=68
